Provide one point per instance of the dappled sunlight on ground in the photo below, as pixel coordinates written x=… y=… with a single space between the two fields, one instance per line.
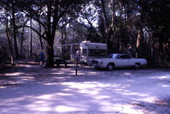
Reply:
x=13 y=74
x=33 y=89
x=161 y=77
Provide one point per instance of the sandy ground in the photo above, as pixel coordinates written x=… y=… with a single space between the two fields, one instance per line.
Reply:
x=32 y=89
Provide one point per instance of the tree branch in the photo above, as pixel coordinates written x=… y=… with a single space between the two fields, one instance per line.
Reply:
x=36 y=31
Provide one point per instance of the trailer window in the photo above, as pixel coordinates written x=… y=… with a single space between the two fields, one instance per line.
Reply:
x=97 y=52
x=103 y=52
x=91 y=52
x=84 y=52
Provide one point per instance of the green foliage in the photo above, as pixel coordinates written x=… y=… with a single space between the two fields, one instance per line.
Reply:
x=142 y=25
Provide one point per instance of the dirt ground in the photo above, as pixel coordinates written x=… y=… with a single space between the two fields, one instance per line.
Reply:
x=29 y=88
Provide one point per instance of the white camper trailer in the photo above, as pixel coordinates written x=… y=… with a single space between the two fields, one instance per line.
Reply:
x=91 y=50
x=88 y=50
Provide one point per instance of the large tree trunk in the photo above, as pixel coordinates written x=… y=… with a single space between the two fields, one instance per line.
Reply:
x=50 y=54
x=50 y=40
x=109 y=28
x=111 y=31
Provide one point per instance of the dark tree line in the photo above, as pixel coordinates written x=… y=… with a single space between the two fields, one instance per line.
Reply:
x=139 y=27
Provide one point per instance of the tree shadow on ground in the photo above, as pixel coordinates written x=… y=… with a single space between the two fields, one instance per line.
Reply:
x=34 y=89
x=158 y=107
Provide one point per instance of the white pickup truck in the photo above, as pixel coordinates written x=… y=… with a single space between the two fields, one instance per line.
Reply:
x=118 y=60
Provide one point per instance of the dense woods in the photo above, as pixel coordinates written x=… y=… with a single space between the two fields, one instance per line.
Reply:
x=139 y=27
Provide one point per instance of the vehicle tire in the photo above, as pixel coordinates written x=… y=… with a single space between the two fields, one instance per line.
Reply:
x=137 y=65
x=110 y=67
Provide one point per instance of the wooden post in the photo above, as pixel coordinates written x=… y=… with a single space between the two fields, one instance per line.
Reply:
x=76 y=69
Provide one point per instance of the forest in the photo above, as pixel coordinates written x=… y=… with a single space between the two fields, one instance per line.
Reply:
x=140 y=27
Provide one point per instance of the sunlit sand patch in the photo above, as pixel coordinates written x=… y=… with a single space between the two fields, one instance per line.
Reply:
x=14 y=74
x=63 y=108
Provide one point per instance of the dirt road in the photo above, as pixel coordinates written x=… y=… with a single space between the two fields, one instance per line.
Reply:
x=32 y=89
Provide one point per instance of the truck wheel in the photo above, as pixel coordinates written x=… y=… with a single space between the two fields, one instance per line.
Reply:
x=137 y=65
x=110 y=67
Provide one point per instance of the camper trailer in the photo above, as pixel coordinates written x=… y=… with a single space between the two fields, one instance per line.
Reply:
x=88 y=50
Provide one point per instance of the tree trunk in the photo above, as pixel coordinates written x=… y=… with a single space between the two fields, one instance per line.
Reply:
x=105 y=21
x=31 y=38
x=113 y=14
x=140 y=37
x=50 y=55
x=41 y=42
x=22 y=39
x=10 y=44
x=50 y=40
x=14 y=31
x=64 y=40
x=138 y=43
